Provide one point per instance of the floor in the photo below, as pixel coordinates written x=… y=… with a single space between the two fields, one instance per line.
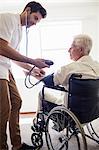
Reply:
x=26 y=132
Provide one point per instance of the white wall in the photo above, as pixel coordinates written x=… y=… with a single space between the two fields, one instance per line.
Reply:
x=86 y=10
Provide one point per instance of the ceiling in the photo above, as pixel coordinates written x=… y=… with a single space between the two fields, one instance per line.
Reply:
x=16 y=5
x=47 y=1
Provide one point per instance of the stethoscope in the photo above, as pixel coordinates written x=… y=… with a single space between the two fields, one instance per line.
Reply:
x=28 y=76
x=26 y=48
x=26 y=33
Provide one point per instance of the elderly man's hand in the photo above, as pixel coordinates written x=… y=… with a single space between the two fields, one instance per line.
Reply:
x=37 y=73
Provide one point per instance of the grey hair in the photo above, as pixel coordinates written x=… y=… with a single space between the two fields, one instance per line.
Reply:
x=83 y=41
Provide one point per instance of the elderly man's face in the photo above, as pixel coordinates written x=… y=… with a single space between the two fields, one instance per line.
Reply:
x=75 y=51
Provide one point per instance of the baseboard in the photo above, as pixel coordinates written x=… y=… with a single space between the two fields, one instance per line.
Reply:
x=27 y=113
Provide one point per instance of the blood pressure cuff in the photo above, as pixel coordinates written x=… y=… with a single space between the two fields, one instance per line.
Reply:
x=48 y=80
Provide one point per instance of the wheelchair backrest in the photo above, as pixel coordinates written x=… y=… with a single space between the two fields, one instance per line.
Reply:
x=83 y=98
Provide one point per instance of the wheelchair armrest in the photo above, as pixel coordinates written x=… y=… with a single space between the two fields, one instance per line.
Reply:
x=60 y=88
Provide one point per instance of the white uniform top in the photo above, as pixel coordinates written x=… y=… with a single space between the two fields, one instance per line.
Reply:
x=10 y=31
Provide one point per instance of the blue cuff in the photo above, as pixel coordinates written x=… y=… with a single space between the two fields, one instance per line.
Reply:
x=48 y=80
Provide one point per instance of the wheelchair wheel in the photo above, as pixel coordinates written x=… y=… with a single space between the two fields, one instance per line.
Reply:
x=37 y=140
x=93 y=129
x=64 y=131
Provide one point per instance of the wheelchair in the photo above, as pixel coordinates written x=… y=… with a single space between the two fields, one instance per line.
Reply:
x=65 y=127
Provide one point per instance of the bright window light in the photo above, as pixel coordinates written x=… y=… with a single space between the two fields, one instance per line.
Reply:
x=50 y=40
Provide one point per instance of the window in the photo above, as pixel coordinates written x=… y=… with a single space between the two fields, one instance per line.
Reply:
x=56 y=38
x=50 y=40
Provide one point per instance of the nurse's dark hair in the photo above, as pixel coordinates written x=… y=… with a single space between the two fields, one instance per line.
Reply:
x=36 y=7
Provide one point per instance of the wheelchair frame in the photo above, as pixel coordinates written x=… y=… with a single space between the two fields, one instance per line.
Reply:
x=64 y=121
